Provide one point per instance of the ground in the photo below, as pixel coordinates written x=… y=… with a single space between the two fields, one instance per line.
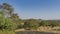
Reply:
x=43 y=29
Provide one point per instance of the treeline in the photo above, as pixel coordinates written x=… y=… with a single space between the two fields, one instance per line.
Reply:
x=35 y=23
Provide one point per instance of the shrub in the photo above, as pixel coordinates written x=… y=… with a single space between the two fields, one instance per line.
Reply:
x=6 y=32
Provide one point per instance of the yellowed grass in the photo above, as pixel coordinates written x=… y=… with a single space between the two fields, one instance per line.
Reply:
x=43 y=29
x=19 y=30
x=49 y=29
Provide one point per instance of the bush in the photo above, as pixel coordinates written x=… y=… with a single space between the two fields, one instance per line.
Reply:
x=6 y=32
x=7 y=25
x=31 y=24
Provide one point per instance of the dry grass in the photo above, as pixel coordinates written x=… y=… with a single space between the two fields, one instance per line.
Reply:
x=43 y=29
x=49 y=29
x=19 y=30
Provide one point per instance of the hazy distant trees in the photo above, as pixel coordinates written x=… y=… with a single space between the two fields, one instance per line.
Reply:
x=51 y=23
x=35 y=23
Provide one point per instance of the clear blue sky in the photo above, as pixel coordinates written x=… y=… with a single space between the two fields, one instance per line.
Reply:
x=44 y=9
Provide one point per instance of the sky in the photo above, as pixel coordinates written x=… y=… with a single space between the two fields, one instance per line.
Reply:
x=38 y=9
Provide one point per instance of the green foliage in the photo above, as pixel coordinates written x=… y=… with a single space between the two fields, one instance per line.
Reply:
x=20 y=23
x=6 y=32
x=54 y=23
x=9 y=24
x=44 y=23
x=51 y=23
x=6 y=23
x=31 y=23
x=7 y=7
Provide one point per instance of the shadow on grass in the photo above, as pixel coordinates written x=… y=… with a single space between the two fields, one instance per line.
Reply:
x=34 y=32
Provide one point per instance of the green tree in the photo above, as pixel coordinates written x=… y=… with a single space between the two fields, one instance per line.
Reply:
x=15 y=17
x=44 y=23
x=31 y=23
x=6 y=23
x=8 y=9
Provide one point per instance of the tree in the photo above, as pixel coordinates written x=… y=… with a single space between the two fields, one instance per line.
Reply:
x=15 y=17
x=7 y=25
x=8 y=9
x=20 y=23
x=44 y=23
x=31 y=23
